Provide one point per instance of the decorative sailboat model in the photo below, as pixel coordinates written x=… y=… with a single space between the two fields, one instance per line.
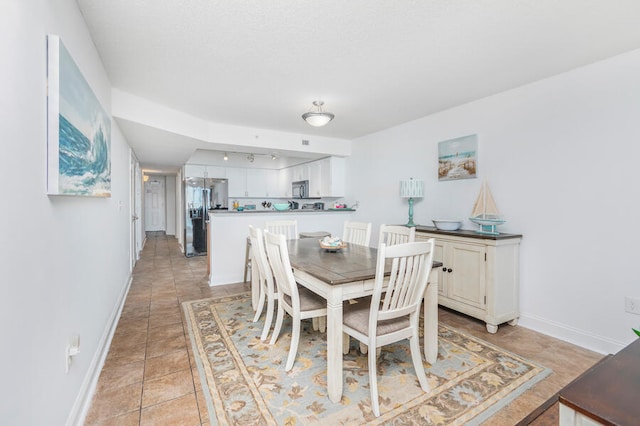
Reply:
x=485 y=212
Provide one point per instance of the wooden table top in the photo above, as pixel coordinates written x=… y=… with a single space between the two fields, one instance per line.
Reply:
x=352 y=263
x=608 y=393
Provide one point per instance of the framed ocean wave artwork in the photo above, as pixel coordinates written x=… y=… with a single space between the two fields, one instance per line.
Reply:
x=78 y=130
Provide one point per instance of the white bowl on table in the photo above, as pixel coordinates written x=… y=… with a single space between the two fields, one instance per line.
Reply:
x=447 y=224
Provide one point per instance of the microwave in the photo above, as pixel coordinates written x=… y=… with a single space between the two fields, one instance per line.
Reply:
x=300 y=189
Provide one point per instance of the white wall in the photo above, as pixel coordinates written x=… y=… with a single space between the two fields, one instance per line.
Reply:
x=562 y=157
x=64 y=259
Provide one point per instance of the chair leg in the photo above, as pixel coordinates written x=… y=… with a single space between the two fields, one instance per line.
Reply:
x=260 y=305
x=247 y=260
x=268 y=319
x=416 y=356
x=295 y=339
x=276 y=329
x=373 y=383
x=346 y=340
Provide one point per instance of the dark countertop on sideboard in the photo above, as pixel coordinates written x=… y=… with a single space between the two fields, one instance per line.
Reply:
x=468 y=233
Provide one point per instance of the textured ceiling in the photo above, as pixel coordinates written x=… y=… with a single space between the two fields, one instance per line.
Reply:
x=374 y=63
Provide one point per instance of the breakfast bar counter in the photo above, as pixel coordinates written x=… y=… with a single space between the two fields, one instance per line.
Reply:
x=228 y=231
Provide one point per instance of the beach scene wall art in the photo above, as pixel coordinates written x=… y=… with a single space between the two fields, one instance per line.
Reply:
x=78 y=130
x=458 y=158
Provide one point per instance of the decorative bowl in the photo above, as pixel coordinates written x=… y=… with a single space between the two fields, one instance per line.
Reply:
x=239 y=209
x=447 y=224
x=332 y=243
x=281 y=206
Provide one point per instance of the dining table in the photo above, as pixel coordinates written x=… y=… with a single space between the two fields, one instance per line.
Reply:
x=349 y=273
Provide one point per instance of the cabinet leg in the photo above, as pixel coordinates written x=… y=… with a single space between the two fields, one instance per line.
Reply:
x=492 y=328
x=513 y=322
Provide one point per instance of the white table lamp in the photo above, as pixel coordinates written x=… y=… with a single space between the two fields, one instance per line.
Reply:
x=411 y=188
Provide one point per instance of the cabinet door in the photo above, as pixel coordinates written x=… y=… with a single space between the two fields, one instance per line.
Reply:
x=438 y=256
x=215 y=172
x=337 y=176
x=237 y=182
x=316 y=179
x=194 y=170
x=273 y=183
x=284 y=182
x=466 y=281
x=257 y=183
x=300 y=172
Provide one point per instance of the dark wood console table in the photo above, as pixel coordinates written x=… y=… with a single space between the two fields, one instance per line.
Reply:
x=607 y=394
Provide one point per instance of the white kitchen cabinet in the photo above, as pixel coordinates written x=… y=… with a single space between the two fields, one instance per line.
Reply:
x=333 y=173
x=284 y=182
x=326 y=177
x=215 y=172
x=237 y=181
x=480 y=274
x=300 y=172
x=262 y=183
x=316 y=178
x=204 y=171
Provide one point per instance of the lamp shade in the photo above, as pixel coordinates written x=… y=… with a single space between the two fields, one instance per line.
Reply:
x=317 y=117
x=411 y=188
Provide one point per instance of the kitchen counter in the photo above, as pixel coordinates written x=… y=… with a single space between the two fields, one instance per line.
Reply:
x=228 y=231
x=218 y=212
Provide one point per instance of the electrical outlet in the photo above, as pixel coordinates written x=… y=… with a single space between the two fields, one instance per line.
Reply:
x=632 y=305
x=72 y=349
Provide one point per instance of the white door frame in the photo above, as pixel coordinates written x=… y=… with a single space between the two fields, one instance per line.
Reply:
x=135 y=193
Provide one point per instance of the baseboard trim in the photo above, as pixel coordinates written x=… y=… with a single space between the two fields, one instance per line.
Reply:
x=82 y=403
x=593 y=342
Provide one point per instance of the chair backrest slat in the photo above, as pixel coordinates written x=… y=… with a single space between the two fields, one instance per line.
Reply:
x=411 y=265
x=289 y=228
x=357 y=233
x=396 y=234
x=278 y=256
x=259 y=255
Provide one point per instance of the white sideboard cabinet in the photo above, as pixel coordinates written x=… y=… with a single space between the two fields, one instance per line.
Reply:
x=480 y=273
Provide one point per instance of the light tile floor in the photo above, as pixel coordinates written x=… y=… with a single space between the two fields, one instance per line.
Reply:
x=150 y=377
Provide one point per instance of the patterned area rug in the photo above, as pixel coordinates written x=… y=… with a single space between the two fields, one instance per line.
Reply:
x=244 y=380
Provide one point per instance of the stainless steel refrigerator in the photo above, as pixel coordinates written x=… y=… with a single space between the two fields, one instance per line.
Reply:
x=201 y=195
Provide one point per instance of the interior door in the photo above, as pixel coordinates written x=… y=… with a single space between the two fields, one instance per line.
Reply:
x=154 y=203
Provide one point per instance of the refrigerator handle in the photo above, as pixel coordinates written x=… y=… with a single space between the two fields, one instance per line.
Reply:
x=205 y=207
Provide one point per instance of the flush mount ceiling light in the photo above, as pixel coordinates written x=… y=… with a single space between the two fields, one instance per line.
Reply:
x=317 y=117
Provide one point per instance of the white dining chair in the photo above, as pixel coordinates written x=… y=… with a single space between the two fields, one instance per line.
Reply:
x=289 y=228
x=396 y=234
x=391 y=314
x=264 y=277
x=357 y=233
x=300 y=303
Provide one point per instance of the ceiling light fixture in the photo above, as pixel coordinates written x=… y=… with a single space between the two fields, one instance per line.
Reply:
x=250 y=157
x=274 y=157
x=317 y=118
x=226 y=157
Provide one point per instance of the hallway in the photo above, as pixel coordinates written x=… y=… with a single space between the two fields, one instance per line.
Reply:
x=150 y=378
